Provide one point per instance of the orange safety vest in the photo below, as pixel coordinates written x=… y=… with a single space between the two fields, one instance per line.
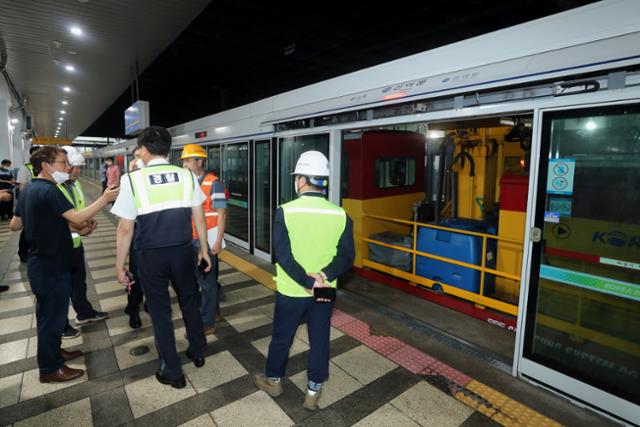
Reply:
x=210 y=214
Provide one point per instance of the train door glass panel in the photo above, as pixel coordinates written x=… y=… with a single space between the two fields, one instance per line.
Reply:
x=583 y=310
x=175 y=157
x=235 y=173
x=290 y=150
x=213 y=159
x=262 y=196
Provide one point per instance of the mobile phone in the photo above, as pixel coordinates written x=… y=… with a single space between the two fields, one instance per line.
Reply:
x=325 y=293
x=203 y=265
x=130 y=277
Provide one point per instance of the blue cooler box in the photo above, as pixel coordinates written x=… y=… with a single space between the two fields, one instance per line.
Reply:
x=460 y=247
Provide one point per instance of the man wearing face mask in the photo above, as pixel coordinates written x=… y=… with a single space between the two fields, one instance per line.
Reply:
x=72 y=190
x=313 y=245
x=45 y=215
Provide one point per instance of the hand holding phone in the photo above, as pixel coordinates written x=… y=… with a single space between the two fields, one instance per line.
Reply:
x=324 y=294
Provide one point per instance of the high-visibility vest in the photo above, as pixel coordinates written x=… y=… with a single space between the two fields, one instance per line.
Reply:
x=31 y=169
x=210 y=214
x=163 y=195
x=77 y=200
x=314 y=226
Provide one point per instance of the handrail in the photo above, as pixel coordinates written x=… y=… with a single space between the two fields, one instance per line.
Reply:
x=478 y=297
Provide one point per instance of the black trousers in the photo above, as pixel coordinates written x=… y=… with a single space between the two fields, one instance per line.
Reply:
x=156 y=267
x=79 y=301
x=23 y=247
x=52 y=288
x=134 y=298
x=6 y=209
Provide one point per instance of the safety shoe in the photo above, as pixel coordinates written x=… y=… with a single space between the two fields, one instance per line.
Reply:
x=96 y=317
x=311 y=402
x=273 y=389
x=70 y=332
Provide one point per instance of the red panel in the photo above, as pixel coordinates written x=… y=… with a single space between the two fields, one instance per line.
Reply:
x=495 y=318
x=362 y=153
x=513 y=192
x=572 y=255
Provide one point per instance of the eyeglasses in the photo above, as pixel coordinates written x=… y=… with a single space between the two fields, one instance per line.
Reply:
x=64 y=162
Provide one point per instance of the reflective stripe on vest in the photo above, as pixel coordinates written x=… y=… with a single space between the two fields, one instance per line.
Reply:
x=31 y=170
x=211 y=216
x=160 y=187
x=314 y=226
x=77 y=201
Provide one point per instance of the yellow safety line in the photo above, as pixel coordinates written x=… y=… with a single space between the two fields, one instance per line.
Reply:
x=503 y=409
x=262 y=276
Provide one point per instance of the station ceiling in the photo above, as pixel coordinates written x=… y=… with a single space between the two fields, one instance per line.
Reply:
x=198 y=57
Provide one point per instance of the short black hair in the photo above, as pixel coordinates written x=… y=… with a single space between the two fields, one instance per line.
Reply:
x=156 y=139
x=45 y=155
x=33 y=149
x=6 y=162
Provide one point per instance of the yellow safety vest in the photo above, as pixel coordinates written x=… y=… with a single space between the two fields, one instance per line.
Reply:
x=315 y=226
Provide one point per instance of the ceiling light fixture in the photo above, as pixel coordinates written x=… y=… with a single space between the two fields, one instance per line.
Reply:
x=66 y=89
x=63 y=112
x=70 y=67
x=14 y=121
x=76 y=31
x=64 y=102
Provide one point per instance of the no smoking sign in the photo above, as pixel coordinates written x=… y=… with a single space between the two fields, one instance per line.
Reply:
x=560 y=178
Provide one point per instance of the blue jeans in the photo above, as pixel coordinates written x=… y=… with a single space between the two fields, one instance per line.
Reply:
x=52 y=289
x=288 y=314
x=208 y=287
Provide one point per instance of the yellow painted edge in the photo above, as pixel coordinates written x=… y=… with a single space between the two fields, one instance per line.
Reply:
x=263 y=277
x=511 y=412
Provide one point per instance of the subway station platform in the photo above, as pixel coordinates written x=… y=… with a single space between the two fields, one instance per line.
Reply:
x=390 y=364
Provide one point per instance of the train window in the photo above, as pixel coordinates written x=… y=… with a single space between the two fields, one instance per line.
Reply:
x=290 y=150
x=213 y=159
x=395 y=172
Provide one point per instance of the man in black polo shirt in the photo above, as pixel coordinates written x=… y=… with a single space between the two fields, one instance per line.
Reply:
x=45 y=215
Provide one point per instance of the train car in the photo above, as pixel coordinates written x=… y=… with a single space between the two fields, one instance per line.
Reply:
x=498 y=176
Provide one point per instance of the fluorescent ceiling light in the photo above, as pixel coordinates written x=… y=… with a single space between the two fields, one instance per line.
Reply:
x=70 y=67
x=66 y=89
x=76 y=31
x=63 y=112
x=591 y=125
x=64 y=102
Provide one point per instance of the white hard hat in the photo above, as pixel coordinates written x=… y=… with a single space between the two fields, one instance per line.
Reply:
x=77 y=159
x=312 y=163
x=70 y=150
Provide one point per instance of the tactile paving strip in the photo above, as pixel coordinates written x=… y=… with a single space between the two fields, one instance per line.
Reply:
x=508 y=411
x=411 y=359
x=356 y=329
x=450 y=373
x=383 y=345
x=339 y=318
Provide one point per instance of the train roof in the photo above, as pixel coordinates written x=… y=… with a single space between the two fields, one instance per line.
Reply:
x=601 y=35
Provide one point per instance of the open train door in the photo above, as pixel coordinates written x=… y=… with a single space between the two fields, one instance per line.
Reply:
x=580 y=323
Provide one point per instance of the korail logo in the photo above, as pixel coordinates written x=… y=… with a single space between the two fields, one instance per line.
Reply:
x=617 y=239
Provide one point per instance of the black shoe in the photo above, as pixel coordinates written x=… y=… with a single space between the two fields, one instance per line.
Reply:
x=198 y=361
x=179 y=383
x=3 y=288
x=95 y=317
x=70 y=332
x=134 y=321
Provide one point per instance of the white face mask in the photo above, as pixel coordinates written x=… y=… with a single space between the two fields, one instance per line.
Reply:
x=60 y=177
x=140 y=163
x=295 y=184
